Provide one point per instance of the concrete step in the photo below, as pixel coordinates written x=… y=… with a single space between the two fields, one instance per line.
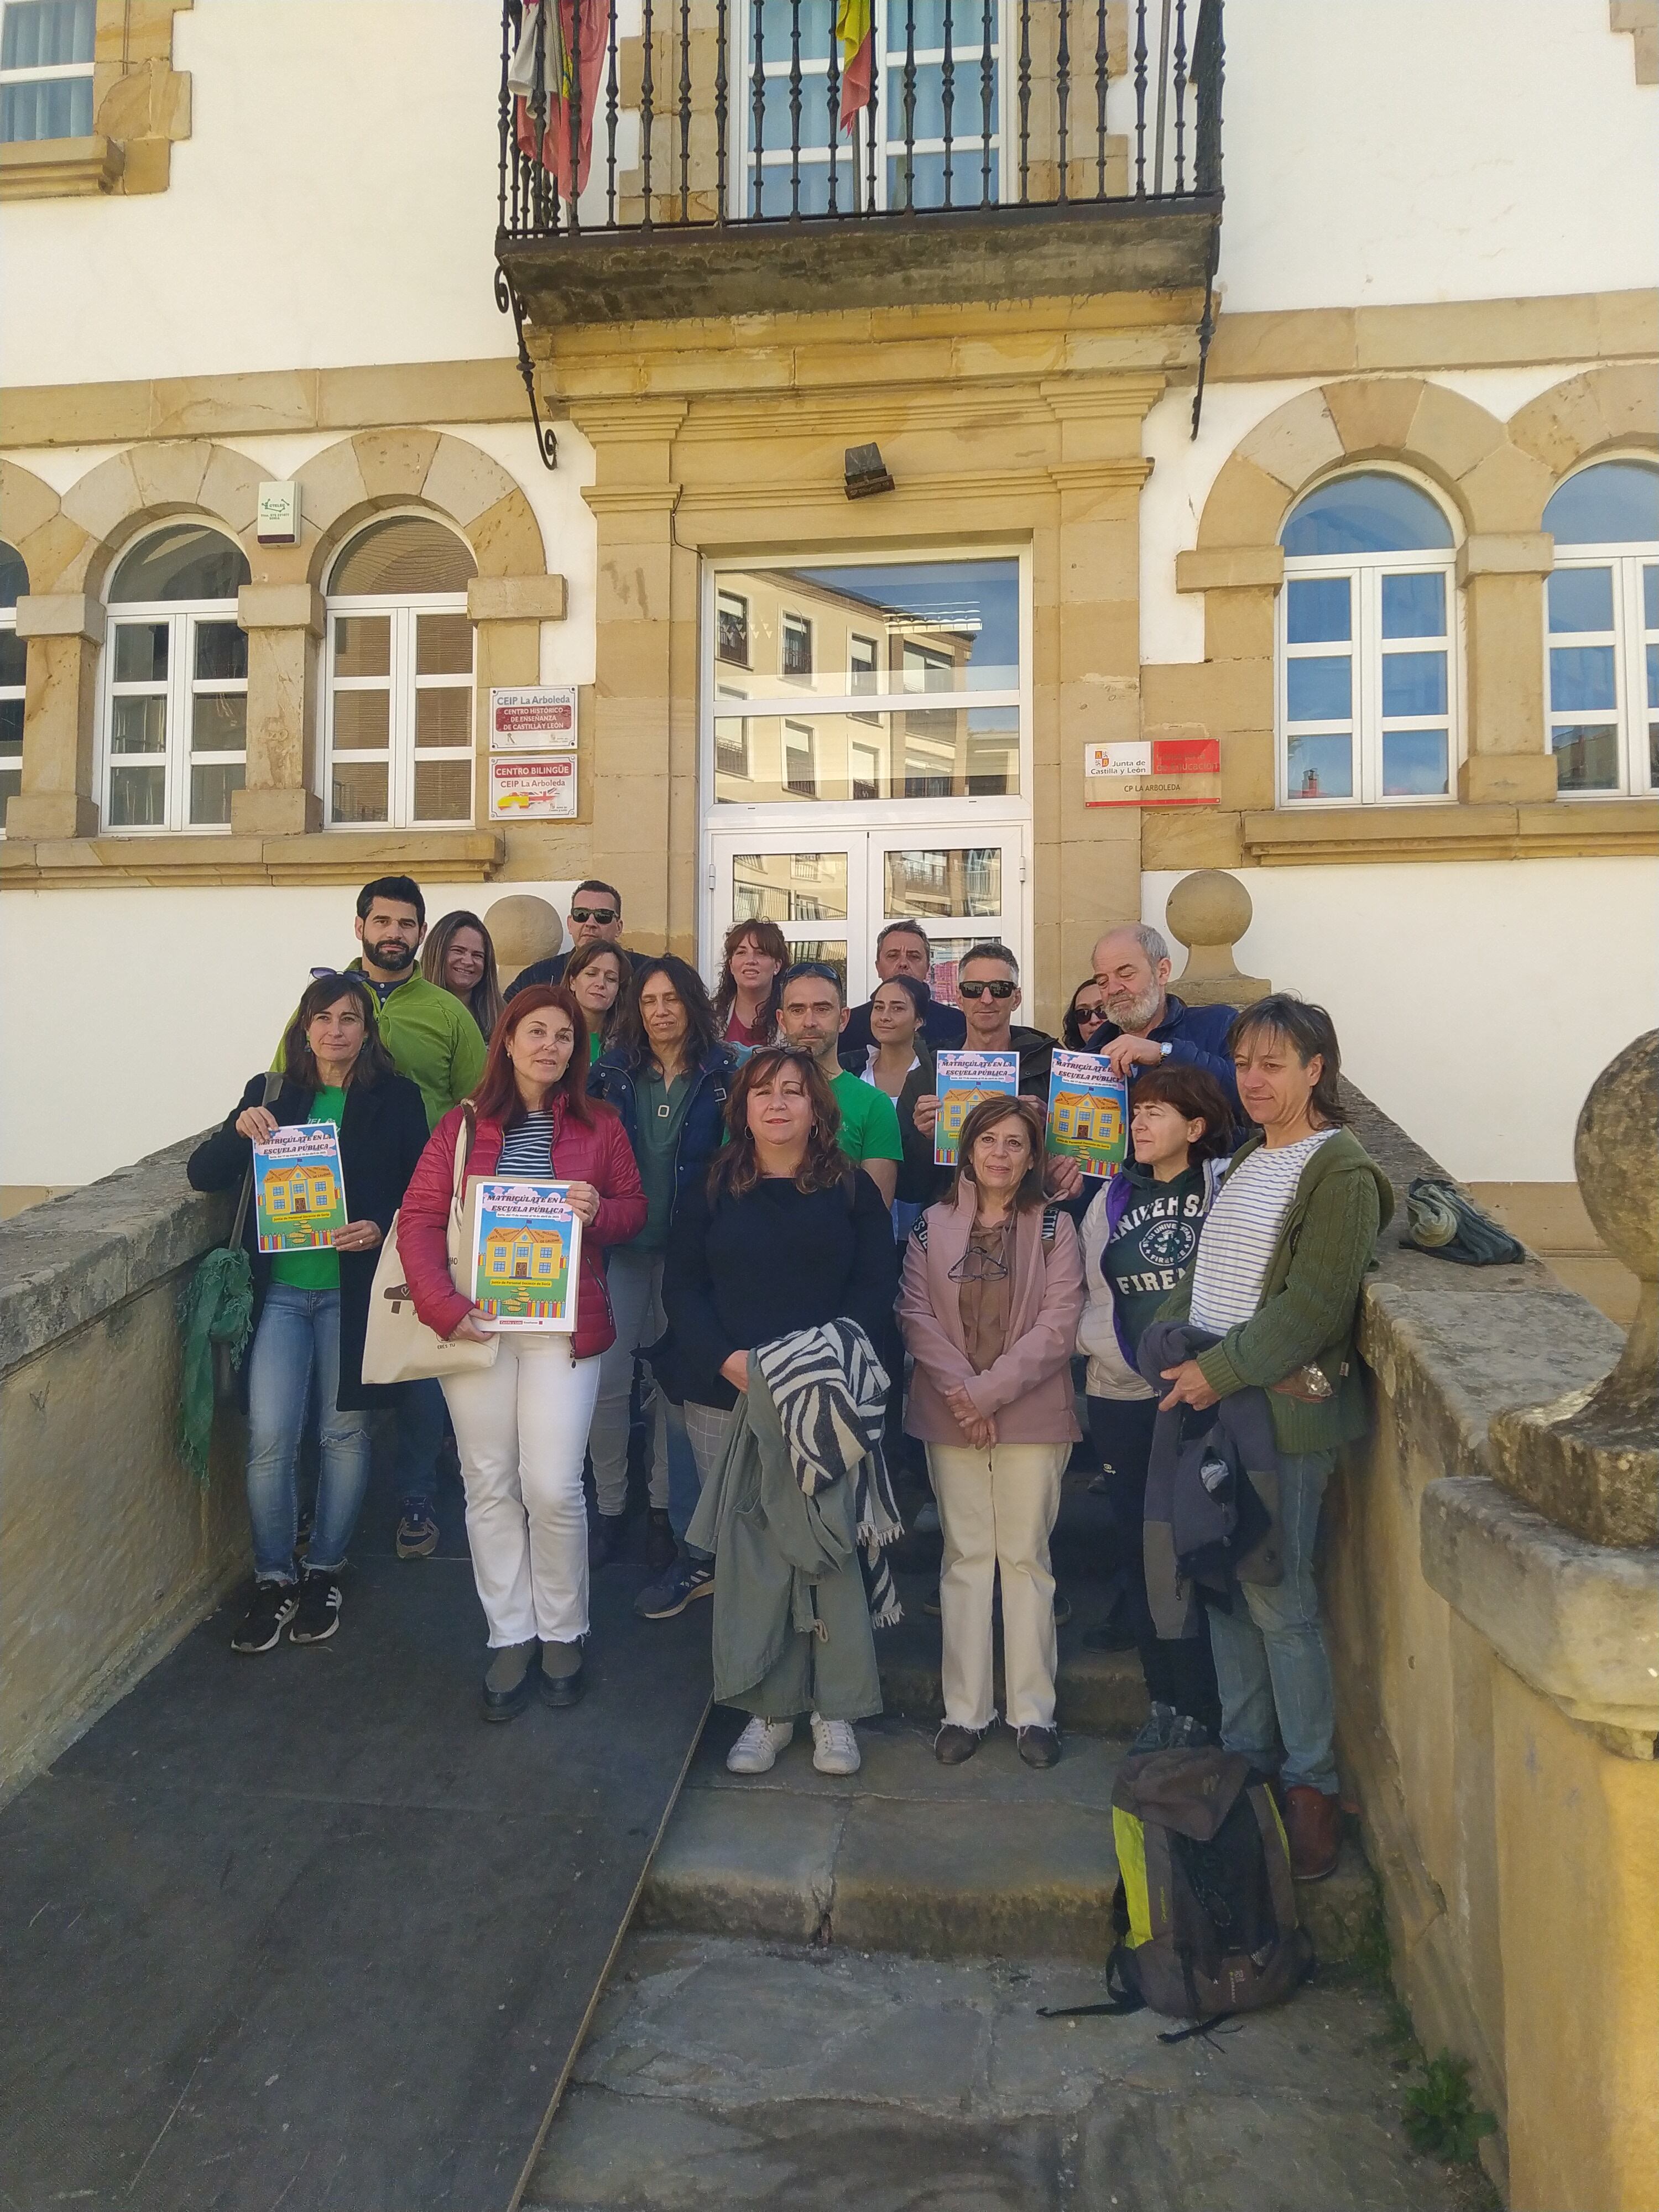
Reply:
x=990 y=1859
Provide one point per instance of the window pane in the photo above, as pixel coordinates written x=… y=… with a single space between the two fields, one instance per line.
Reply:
x=1651 y=599
x=732 y=629
x=11 y=729
x=1414 y=606
x=14 y=658
x=1370 y=513
x=1653 y=676
x=14 y=576
x=441 y=718
x=11 y=785
x=968 y=882
x=1413 y=683
x=1586 y=756
x=140 y=653
x=443 y=791
x=136 y=798
x=359 y=791
x=1414 y=764
x=1318 y=690
x=209 y=791
x=361 y=721
x=183 y=562
x=1614 y=503
x=46 y=107
x=221 y=651
x=1317 y=610
x=966 y=612
x=1582 y=678
x=363 y=645
x=443 y=645
x=218 y=722
x=1320 y=768
x=949 y=751
x=796 y=647
x=791 y=887
x=138 y=726
x=1581 y=599
x=47 y=34
x=402 y=557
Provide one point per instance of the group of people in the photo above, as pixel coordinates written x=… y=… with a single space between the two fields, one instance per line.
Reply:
x=770 y=1250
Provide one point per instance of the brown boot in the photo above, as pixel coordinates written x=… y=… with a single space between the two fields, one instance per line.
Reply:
x=1313 y=1825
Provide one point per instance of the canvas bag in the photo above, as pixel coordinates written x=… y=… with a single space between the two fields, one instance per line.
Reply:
x=398 y=1345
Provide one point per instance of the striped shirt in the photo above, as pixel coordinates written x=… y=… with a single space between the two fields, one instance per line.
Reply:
x=527 y=1147
x=1237 y=1241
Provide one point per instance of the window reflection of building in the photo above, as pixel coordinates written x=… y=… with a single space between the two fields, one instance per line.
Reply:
x=731 y=630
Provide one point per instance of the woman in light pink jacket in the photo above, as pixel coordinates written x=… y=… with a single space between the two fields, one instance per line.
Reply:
x=992 y=1293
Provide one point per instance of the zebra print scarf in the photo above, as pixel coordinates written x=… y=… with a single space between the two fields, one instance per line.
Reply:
x=831 y=1393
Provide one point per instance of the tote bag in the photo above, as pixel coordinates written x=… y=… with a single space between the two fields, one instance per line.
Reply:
x=398 y=1345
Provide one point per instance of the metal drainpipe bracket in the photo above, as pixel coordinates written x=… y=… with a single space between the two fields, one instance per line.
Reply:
x=509 y=303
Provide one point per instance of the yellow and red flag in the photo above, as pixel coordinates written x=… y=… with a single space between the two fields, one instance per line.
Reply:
x=855 y=27
x=566 y=147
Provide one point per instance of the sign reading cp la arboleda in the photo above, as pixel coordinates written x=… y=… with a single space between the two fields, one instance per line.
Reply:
x=1153 y=772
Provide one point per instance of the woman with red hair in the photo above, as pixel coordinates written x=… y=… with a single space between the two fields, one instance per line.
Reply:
x=521 y=1424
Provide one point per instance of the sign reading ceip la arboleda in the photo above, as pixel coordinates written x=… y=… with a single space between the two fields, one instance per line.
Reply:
x=1153 y=772
x=538 y=719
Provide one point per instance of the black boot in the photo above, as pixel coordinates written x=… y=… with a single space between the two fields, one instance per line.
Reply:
x=606 y=1535
x=660 y=1549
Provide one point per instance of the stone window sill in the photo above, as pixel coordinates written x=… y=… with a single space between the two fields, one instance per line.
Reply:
x=59 y=168
x=338 y=856
x=1284 y=839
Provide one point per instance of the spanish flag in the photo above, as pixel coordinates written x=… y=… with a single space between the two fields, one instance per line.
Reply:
x=855 y=29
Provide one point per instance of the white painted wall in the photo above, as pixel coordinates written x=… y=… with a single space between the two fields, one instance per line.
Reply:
x=1476 y=1002
x=135 y=1016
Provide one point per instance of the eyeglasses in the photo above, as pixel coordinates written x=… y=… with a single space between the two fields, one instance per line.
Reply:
x=978 y=1266
x=1089 y=1013
x=602 y=915
x=998 y=990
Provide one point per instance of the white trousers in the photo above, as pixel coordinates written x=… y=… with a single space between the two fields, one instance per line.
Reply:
x=635 y=1281
x=521 y=1430
x=997 y=1509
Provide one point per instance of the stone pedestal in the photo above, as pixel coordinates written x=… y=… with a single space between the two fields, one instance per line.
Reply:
x=523 y=929
x=1208 y=911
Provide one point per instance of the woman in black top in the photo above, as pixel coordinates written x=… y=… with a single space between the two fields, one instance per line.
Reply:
x=784 y=1234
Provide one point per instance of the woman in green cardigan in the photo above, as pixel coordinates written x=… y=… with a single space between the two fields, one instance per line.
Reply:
x=1276 y=1281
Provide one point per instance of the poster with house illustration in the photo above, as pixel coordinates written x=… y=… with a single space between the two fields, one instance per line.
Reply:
x=526 y=1248
x=1088 y=1114
x=963 y=1079
x=299 y=1191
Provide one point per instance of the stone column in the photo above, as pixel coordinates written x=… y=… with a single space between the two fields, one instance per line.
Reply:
x=65 y=631
x=1232 y=688
x=1501 y=579
x=278 y=798
x=508 y=613
x=1208 y=911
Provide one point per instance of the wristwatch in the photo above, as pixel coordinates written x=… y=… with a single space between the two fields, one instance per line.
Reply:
x=1163 y=1052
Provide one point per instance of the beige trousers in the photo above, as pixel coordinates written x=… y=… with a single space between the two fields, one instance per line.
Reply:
x=997 y=1509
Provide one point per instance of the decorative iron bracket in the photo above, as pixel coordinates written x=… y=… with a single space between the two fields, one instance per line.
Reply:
x=1206 y=324
x=510 y=304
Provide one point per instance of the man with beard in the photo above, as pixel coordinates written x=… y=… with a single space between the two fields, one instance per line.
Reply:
x=1144 y=1024
x=433 y=1040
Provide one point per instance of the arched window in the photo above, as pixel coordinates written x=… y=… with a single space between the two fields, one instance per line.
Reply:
x=1367 y=682
x=400 y=740
x=14 y=660
x=175 y=693
x=1603 y=621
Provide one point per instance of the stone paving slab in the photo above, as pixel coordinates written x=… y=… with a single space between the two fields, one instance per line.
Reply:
x=725 y=2073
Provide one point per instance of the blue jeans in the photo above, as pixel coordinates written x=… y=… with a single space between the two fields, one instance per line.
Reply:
x=298 y=1337
x=1270 y=1662
x=418 y=1416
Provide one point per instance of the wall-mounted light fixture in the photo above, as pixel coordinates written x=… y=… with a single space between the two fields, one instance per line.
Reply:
x=867 y=471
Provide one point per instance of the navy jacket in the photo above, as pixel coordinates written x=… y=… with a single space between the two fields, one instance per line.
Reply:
x=1195 y=1037
x=942 y=1027
x=703 y=1130
x=551 y=970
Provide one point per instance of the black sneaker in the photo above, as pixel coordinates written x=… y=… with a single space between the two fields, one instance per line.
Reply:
x=270 y=1610
x=693 y=1578
x=319 y=1615
x=417 y=1531
x=661 y=1552
x=607 y=1535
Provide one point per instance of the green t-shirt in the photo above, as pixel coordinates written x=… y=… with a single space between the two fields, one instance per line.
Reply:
x=661 y=1118
x=432 y=1039
x=319 y=1270
x=869 y=1124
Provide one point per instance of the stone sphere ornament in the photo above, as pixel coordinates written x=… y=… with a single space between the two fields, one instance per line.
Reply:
x=523 y=928
x=1208 y=911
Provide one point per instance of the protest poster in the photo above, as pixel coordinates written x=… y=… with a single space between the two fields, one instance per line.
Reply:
x=964 y=1078
x=526 y=1250
x=299 y=1189
x=1088 y=1113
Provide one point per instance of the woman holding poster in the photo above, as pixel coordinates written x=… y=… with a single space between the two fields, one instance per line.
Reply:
x=331 y=1144
x=521 y=1423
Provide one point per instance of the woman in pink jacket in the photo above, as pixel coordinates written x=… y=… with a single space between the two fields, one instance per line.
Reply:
x=991 y=1292
x=521 y=1425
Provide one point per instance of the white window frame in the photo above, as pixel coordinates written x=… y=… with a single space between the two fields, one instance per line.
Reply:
x=52 y=73
x=1367 y=648
x=1630 y=638
x=403 y=684
x=180 y=688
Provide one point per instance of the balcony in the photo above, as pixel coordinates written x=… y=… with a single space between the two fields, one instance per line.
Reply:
x=706 y=158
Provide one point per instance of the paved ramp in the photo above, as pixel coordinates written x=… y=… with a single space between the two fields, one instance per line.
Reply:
x=301 y=1933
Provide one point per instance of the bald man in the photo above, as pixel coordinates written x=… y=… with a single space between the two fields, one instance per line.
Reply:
x=1145 y=1024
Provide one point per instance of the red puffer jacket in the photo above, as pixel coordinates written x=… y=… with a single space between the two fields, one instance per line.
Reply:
x=600 y=1155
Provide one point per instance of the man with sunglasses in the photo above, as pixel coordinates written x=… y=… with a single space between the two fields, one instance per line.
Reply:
x=595 y=919
x=988 y=984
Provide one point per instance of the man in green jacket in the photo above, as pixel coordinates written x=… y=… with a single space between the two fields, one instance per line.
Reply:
x=433 y=1040
x=1276 y=1282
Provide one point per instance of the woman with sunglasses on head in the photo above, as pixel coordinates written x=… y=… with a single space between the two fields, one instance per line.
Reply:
x=754 y=955
x=992 y=1291
x=1084 y=1018
x=459 y=958
x=597 y=976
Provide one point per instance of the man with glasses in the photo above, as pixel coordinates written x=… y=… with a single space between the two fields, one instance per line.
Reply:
x=1145 y=1025
x=595 y=919
x=812 y=1015
x=903 y=948
x=988 y=984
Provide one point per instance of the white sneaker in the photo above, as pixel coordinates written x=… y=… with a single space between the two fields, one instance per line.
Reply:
x=835 y=1746
x=756 y=1751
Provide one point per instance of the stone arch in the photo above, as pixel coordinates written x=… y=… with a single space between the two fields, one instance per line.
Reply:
x=347 y=484
x=113 y=503
x=32 y=519
x=1600 y=411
